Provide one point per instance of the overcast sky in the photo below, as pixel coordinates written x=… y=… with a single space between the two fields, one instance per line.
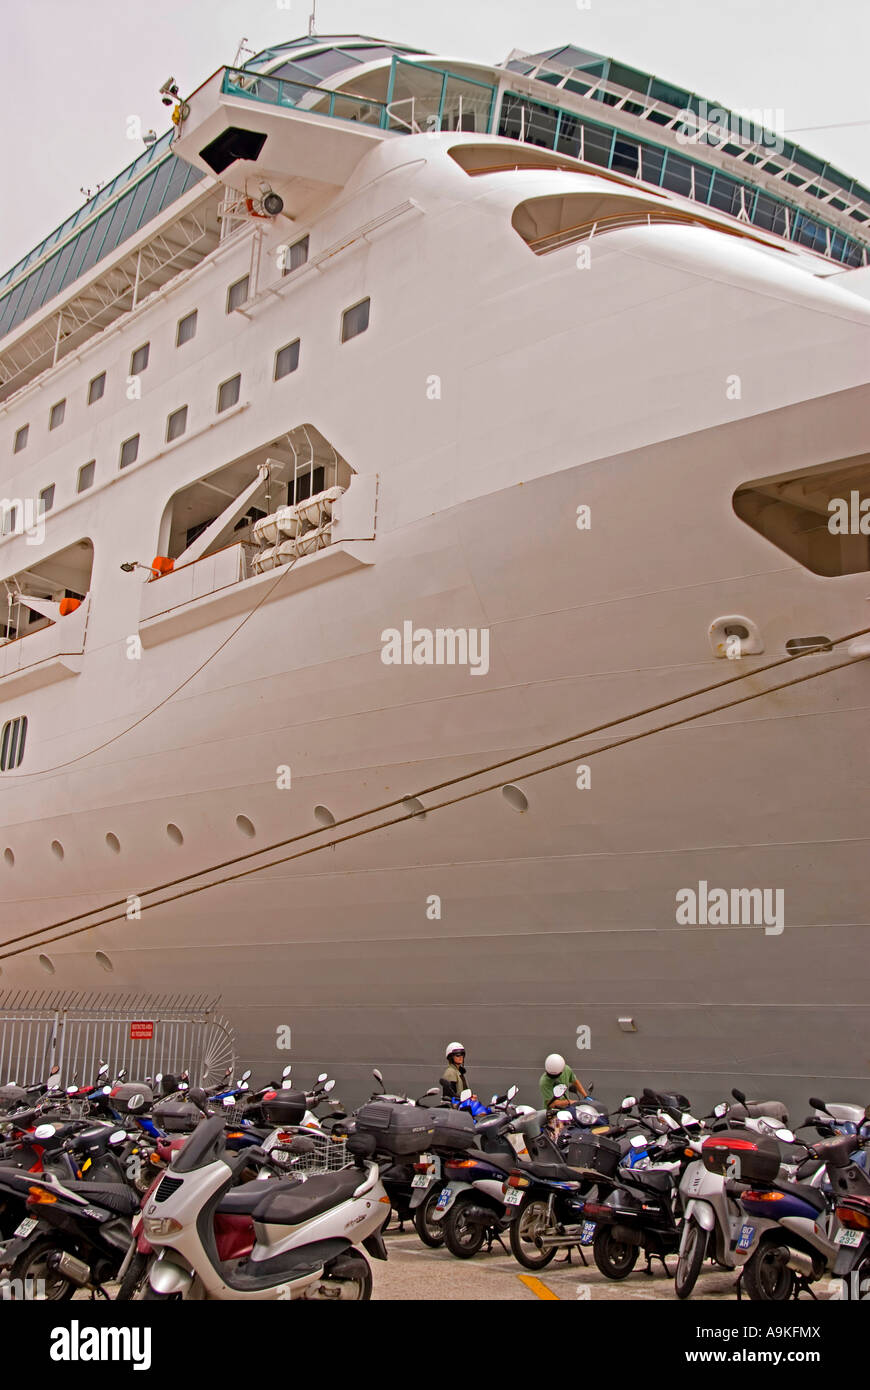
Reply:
x=74 y=70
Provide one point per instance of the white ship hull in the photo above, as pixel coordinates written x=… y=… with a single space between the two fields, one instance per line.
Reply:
x=556 y=391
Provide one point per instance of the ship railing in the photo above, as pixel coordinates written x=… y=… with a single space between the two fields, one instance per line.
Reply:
x=586 y=231
x=303 y=96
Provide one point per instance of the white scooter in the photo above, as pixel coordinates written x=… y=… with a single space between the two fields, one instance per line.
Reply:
x=288 y=1240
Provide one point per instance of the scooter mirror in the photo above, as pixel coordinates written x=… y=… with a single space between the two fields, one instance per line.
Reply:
x=785 y=1135
x=560 y=1091
x=493 y=1101
x=512 y=1090
x=118 y=1137
x=628 y=1102
x=720 y=1109
x=323 y=1075
x=740 y=1096
x=245 y=1075
x=465 y=1095
x=136 y=1102
x=122 y=1074
x=43 y=1132
x=287 y=1070
x=329 y=1086
x=159 y=1077
x=104 y=1069
x=378 y=1077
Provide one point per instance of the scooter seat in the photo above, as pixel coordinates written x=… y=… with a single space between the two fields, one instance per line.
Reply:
x=555 y=1172
x=288 y=1205
x=652 y=1181
x=112 y=1196
x=244 y=1200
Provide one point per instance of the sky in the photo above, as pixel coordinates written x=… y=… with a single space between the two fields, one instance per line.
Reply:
x=74 y=71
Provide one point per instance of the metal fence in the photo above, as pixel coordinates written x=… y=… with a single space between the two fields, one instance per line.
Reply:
x=144 y=1033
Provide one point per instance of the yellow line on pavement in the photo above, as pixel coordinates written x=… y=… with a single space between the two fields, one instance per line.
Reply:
x=537 y=1287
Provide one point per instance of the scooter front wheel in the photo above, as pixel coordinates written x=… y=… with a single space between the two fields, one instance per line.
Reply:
x=690 y=1261
x=136 y=1272
x=430 y=1232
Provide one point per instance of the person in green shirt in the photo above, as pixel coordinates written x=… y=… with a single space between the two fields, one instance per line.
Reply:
x=558 y=1073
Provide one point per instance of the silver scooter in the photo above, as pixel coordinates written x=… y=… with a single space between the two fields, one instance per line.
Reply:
x=303 y=1236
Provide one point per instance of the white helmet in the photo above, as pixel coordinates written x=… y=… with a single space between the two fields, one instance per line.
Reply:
x=454 y=1047
x=554 y=1065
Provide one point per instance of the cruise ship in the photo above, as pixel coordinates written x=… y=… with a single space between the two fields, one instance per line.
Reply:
x=398 y=457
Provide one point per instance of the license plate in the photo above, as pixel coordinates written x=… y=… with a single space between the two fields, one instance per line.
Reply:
x=843 y=1237
x=422 y=1179
x=29 y=1224
x=281 y=1155
x=513 y=1197
x=587 y=1233
x=745 y=1240
x=443 y=1199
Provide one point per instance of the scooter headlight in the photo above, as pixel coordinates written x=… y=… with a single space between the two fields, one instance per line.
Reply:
x=161 y=1226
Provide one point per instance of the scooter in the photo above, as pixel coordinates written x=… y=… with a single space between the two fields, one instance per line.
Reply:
x=713 y=1221
x=76 y=1235
x=278 y=1239
x=477 y=1205
x=850 y=1187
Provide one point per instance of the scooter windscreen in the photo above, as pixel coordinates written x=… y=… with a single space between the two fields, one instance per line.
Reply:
x=205 y=1145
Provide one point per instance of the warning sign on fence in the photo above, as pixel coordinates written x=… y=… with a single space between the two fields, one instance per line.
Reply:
x=141 y=1030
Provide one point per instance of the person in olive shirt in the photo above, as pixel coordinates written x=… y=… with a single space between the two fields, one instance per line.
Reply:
x=453 y=1078
x=558 y=1073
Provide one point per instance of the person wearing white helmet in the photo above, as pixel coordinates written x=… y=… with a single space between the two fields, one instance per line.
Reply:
x=453 y=1078
x=558 y=1073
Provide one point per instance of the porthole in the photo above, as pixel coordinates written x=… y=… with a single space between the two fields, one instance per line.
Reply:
x=245 y=825
x=57 y=849
x=114 y=843
x=414 y=806
x=798 y=646
x=47 y=964
x=175 y=834
x=9 y=857
x=514 y=797
x=323 y=815
x=103 y=961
